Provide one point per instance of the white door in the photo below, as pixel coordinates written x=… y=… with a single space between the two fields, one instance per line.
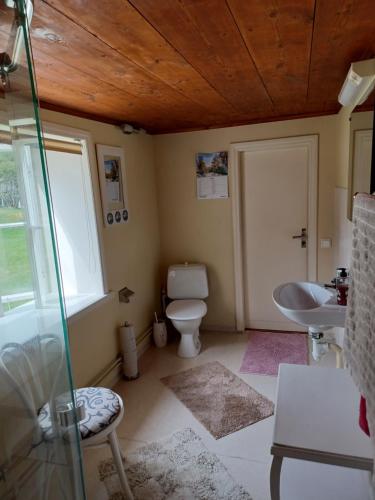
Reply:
x=278 y=182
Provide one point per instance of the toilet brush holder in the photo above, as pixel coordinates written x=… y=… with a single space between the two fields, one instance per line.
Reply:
x=160 y=333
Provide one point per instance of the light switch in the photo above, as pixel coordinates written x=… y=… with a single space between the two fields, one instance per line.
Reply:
x=325 y=243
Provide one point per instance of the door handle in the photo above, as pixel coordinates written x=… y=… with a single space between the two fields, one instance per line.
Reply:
x=302 y=237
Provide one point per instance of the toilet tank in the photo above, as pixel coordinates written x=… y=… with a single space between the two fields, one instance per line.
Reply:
x=187 y=281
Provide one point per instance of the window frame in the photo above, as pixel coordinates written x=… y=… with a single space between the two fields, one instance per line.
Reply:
x=21 y=149
x=88 y=152
x=51 y=131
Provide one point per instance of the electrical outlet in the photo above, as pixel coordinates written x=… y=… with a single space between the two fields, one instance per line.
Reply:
x=325 y=243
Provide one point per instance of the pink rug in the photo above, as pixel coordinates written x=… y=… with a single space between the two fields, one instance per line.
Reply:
x=266 y=350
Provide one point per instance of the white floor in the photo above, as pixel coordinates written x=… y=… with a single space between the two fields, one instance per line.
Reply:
x=152 y=412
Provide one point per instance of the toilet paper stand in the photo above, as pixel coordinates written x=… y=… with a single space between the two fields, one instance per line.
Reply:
x=129 y=352
x=124 y=294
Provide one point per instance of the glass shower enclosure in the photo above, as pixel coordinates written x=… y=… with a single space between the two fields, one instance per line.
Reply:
x=39 y=441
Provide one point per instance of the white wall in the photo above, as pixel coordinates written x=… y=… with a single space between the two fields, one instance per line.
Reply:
x=131 y=253
x=164 y=210
x=201 y=230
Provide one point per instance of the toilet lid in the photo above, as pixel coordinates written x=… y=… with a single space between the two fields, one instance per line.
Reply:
x=186 y=309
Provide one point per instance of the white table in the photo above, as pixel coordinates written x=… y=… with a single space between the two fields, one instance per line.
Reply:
x=316 y=419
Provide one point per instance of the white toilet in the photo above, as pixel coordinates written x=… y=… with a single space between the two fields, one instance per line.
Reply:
x=187 y=285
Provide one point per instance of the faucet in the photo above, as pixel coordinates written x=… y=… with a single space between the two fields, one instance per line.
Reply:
x=341 y=284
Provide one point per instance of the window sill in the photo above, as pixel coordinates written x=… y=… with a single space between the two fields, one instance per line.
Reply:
x=78 y=307
x=23 y=322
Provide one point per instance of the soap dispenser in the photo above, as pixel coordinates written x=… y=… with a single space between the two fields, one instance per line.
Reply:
x=342 y=285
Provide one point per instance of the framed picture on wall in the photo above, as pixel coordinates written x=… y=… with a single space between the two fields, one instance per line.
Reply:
x=212 y=175
x=112 y=177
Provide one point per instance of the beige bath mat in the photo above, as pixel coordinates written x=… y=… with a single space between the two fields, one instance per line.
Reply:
x=220 y=400
x=177 y=467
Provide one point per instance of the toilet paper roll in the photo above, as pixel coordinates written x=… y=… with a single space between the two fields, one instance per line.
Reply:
x=127 y=338
x=130 y=366
x=129 y=352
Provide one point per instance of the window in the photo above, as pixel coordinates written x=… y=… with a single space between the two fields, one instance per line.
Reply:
x=25 y=259
x=75 y=221
x=15 y=269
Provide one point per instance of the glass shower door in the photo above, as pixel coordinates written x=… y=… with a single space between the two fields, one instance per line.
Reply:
x=39 y=440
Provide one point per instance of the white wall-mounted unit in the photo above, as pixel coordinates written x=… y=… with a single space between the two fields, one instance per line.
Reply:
x=359 y=83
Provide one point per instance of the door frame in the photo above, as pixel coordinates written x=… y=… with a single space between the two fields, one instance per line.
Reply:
x=311 y=143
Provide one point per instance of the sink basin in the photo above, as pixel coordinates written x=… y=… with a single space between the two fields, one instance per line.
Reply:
x=309 y=304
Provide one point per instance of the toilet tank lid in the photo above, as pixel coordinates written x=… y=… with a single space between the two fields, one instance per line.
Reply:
x=187 y=265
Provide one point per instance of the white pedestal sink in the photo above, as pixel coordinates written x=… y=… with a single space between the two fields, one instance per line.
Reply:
x=309 y=304
x=312 y=305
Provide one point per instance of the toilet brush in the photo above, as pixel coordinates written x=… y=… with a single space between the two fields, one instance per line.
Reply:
x=159 y=332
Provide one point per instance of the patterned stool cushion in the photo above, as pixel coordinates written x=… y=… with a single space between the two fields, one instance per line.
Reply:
x=102 y=406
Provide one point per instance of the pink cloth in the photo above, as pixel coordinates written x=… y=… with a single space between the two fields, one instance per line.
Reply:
x=363 y=416
x=266 y=350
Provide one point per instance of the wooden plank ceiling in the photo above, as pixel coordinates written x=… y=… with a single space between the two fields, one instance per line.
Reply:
x=173 y=65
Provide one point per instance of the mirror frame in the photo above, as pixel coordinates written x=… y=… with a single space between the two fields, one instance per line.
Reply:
x=351 y=162
x=372 y=178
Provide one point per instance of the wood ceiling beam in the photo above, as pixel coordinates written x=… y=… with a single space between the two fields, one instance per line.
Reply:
x=174 y=65
x=344 y=32
x=204 y=32
x=278 y=36
x=124 y=29
x=249 y=121
x=65 y=41
x=80 y=114
x=65 y=88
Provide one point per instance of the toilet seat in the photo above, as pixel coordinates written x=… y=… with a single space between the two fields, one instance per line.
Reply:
x=184 y=310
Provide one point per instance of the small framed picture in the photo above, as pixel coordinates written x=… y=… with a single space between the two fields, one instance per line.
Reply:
x=111 y=165
x=211 y=171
